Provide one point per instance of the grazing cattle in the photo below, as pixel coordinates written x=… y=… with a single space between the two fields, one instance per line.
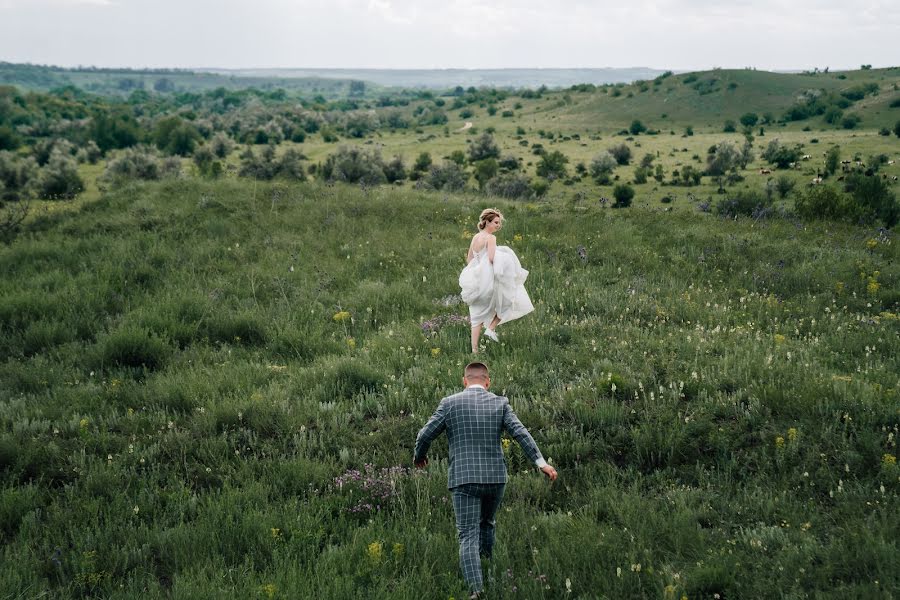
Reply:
x=805 y=157
x=846 y=162
x=765 y=171
x=890 y=162
x=816 y=181
x=894 y=178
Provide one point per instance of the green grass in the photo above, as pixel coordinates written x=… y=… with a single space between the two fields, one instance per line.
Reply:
x=179 y=391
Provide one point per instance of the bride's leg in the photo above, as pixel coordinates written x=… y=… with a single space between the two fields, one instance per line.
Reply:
x=476 y=333
x=494 y=323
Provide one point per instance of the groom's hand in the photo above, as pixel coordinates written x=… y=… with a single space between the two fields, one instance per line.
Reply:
x=421 y=464
x=549 y=472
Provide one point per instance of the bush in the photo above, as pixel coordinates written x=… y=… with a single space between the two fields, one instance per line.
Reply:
x=749 y=203
x=623 y=194
x=602 y=167
x=552 y=165
x=780 y=155
x=483 y=147
x=422 y=165
x=514 y=186
x=640 y=175
x=833 y=115
x=832 y=160
x=141 y=162
x=784 y=185
x=509 y=163
x=873 y=201
x=540 y=187
x=354 y=165
x=749 y=119
x=269 y=166
x=59 y=178
x=729 y=127
x=395 y=170
x=221 y=145
x=172 y=135
x=89 y=153
x=850 y=121
x=897 y=128
x=637 y=127
x=9 y=139
x=622 y=153
x=18 y=176
x=448 y=177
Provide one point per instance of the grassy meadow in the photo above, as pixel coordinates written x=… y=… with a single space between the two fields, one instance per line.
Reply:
x=212 y=390
x=210 y=386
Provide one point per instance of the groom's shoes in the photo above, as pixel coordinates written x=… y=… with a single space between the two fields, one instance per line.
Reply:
x=491 y=334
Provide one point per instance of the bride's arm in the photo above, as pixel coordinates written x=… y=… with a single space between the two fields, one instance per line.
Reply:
x=492 y=248
x=470 y=254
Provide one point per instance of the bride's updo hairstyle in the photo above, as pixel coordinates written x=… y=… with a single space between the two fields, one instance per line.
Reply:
x=488 y=215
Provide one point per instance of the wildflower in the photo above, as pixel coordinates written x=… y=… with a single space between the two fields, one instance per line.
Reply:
x=517 y=237
x=873 y=286
x=435 y=352
x=398 y=549
x=83 y=423
x=340 y=317
x=889 y=460
x=568 y=586
x=618 y=571
x=871 y=243
x=276 y=532
x=269 y=590
x=506 y=444
x=351 y=343
x=779 y=442
x=779 y=339
x=136 y=509
x=792 y=434
x=375 y=551
x=806 y=526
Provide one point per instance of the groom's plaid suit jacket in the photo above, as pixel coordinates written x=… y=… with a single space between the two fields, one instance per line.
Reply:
x=474 y=419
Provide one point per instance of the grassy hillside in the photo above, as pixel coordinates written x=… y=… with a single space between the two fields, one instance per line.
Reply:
x=206 y=389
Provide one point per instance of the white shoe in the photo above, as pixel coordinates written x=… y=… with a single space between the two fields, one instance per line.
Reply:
x=491 y=334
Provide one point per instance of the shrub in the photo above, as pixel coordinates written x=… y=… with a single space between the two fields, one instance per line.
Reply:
x=509 y=163
x=602 y=167
x=459 y=157
x=872 y=199
x=540 y=187
x=18 y=176
x=850 y=121
x=141 y=162
x=483 y=147
x=729 y=127
x=784 y=185
x=780 y=155
x=59 y=178
x=395 y=170
x=622 y=153
x=448 y=177
x=897 y=128
x=623 y=194
x=640 y=175
x=221 y=145
x=9 y=139
x=89 y=153
x=832 y=160
x=269 y=166
x=206 y=162
x=172 y=135
x=485 y=170
x=514 y=186
x=833 y=115
x=722 y=158
x=354 y=165
x=749 y=119
x=552 y=165
x=749 y=203
x=422 y=164
x=637 y=127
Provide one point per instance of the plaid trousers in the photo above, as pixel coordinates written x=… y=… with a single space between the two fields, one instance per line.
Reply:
x=475 y=505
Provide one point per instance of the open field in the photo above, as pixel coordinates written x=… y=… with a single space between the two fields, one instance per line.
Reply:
x=210 y=385
x=188 y=366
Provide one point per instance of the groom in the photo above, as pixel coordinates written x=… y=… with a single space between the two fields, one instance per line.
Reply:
x=474 y=420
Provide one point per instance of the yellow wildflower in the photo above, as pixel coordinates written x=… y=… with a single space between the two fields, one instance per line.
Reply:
x=839 y=287
x=269 y=590
x=889 y=460
x=435 y=352
x=779 y=339
x=340 y=317
x=506 y=444
x=779 y=442
x=871 y=243
x=792 y=434
x=375 y=551
x=398 y=549
x=351 y=343
x=84 y=423
x=873 y=286
x=276 y=533
x=517 y=237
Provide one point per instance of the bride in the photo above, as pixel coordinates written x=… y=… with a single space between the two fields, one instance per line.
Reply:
x=493 y=281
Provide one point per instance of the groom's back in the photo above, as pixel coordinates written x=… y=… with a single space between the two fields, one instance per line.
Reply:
x=474 y=424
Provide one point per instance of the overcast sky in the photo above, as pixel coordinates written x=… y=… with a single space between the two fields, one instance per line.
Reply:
x=671 y=34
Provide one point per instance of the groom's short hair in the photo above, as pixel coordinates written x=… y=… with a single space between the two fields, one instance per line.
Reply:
x=476 y=370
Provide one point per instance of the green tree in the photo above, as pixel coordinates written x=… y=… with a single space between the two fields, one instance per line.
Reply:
x=637 y=127
x=622 y=153
x=749 y=119
x=552 y=165
x=623 y=194
x=602 y=167
x=832 y=160
x=172 y=135
x=485 y=170
x=483 y=147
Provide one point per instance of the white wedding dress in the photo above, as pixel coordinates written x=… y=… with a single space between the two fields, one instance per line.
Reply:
x=495 y=289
